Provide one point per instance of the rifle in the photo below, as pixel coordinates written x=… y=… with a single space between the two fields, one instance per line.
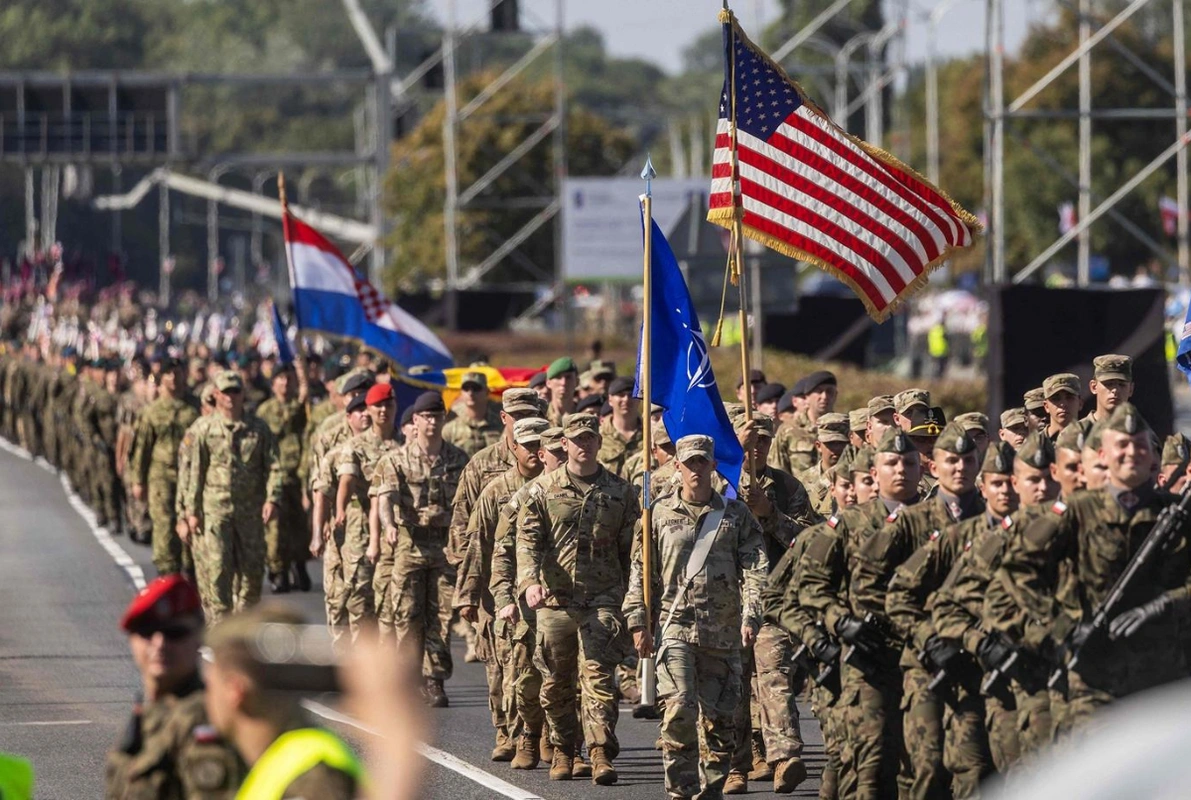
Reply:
x=862 y=657
x=1171 y=520
x=999 y=673
x=807 y=660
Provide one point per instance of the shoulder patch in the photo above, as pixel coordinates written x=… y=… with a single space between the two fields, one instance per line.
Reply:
x=831 y=523
x=1006 y=522
x=1059 y=507
x=205 y=734
x=891 y=517
x=934 y=535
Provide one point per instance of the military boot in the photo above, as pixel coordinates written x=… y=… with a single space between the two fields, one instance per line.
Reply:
x=545 y=749
x=436 y=697
x=279 y=582
x=788 y=775
x=504 y=749
x=527 y=756
x=761 y=770
x=602 y=771
x=580 y=768
x=561 y=765
x=302 y=576
x=737 y=783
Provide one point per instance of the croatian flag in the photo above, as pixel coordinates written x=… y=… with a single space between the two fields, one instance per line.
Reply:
x=331 y=297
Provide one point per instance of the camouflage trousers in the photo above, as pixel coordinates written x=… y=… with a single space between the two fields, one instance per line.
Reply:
x=229 y=561
x=136 y=512
x=498 y=664
x=382 y=575
x=286 y=534
x=580 y=647
x=107 y=493
x=347 y=578
x=922 y=723
x=418 y=603
x=872 y=722
x=701 y=689
x=836 y=780
x=966 y=753
x=774 y=682
x=1001 y=722
x=524 y=689
x=169 y=553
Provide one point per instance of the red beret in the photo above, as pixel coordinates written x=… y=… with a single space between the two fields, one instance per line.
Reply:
x=379 y=393
x=162 y=601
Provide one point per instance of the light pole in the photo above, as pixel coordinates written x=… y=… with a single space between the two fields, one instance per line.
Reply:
x=874 y=107
x=932 y=89
x=840 y=112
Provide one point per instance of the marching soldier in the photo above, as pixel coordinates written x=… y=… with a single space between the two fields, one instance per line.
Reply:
x=620 y=434
x=831 y=437
x=1014 y=427
x=881 y=417
x=1111 y=385
x=711 y=570
x=478 y=422
x=561 y=377
x=285 y=537
x=1061 y=398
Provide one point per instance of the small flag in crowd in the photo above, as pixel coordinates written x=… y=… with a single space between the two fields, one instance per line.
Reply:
x=285 y=353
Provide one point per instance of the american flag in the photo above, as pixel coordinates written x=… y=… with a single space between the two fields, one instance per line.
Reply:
x=815 y=193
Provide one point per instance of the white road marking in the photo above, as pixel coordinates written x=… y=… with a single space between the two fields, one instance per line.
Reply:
x=440 y=757
x=45 y=723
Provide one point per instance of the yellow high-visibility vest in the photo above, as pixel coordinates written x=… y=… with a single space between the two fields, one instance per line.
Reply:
x=292 y=755
x=936 y=341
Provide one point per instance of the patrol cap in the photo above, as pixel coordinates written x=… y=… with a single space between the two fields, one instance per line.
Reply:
x=1112 y=368
x=551 y=438
x=429 y=403
x=696 y=444
x=602 y=369
x=1037 y=451
x=585 y=379
x=357 y=403
x=381 y=393
x=579 y=424
x=1063 y=382
x=516 y=400
x=561 y=366
x=1071 y=438
x=973 y=421
x=770 y=392
x=1175 y=450
x=755 y=376
x=660 y=435
x=858 y=420
x=477 y=379
x=538 y=379
x=207 y=394
x=882 y=402
x=862 y=459
x=229 y=381
x=955 y=439
x=1125 y=418
x=620 y=385
x=998 y=459
x=895 y=440
x=1033 y=400
x=358 y=380
x=590 y=404
x=529 y=430
x=833 y=428
x=1012 y=417
x=904 y=401
x=163 y=601
x=764 y=425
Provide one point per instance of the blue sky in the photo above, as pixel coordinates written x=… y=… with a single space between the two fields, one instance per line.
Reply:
x=660 y=29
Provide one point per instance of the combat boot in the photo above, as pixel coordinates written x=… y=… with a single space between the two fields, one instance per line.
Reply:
x=301 y=576
x=527 y=756
x=561 y=765
x=545 y=749
x=436 y=697
x=580 y=768
x=279 y=582
x=737 y=783
x=504 y=749
x=761 y=770
x=602 y=771
x=788 y=775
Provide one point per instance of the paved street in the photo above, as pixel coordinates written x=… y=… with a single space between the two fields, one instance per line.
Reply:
x=69 y=682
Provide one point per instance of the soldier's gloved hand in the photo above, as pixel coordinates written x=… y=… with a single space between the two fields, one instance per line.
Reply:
x=993 y=651
x=940 y=650
x=859 y=633
x=824 y=651
x=1129 y=622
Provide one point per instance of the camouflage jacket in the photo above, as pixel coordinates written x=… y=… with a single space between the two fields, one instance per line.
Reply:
x=793 y=448
x=792 y=509
x=162 y=426
x=358 y=457
x=615 y=450
x=575 y=537
x=781 y=591
x=475 y=573
x=287 y=421
x=333 y=432
x=472 y=436
x=233 y=467
x=818 y=488
x=481 y=470
x=316 y=416
x=711 y=606
x=503 y=583
x=185 y=451
x=419 y=490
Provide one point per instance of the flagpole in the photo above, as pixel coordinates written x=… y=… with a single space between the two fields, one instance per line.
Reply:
x=738 y=242
x=300 y=367
x=648 y=675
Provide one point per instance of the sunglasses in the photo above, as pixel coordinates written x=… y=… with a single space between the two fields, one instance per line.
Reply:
x=171 y=633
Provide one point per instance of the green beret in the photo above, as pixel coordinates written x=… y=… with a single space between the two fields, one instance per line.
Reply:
x=1175 y=450
x=954 y=439
x=895 y=440
x=1036 y=451
x=1126 y=419
x=998 y=459
x=561 y=366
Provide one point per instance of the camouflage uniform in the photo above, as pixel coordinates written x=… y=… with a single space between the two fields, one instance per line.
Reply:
x=615 y=450
x=699 y=654
x=793 y=449
x=472 y=436
x=482 y=469
x=818 y=487
x=574 y=538
x=102 y=427
x=233 y=472
x=169 y=751
x=418 y=489
x=154 y=465
x=136 y=511
x=286 y=535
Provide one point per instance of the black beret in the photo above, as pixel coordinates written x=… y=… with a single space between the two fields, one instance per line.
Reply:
x=770 y=391
x=357 y=403
x=592 y=401
x=817 y=379
x=429 y=402
x=361 y=381
x=539 y=379
x=407 y=416
x=786 y=403
x=755 y=376
x=621 y=384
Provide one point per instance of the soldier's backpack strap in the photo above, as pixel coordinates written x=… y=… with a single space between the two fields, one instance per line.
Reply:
x=709 y=526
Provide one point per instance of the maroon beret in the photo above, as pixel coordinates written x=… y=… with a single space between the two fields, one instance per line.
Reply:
x=162 y=601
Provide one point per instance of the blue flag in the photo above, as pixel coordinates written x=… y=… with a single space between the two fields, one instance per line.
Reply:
x=285 y=353
x=683 y=382
x=1183 y=359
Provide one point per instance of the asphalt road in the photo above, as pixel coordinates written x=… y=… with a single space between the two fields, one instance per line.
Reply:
x=68 y=680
